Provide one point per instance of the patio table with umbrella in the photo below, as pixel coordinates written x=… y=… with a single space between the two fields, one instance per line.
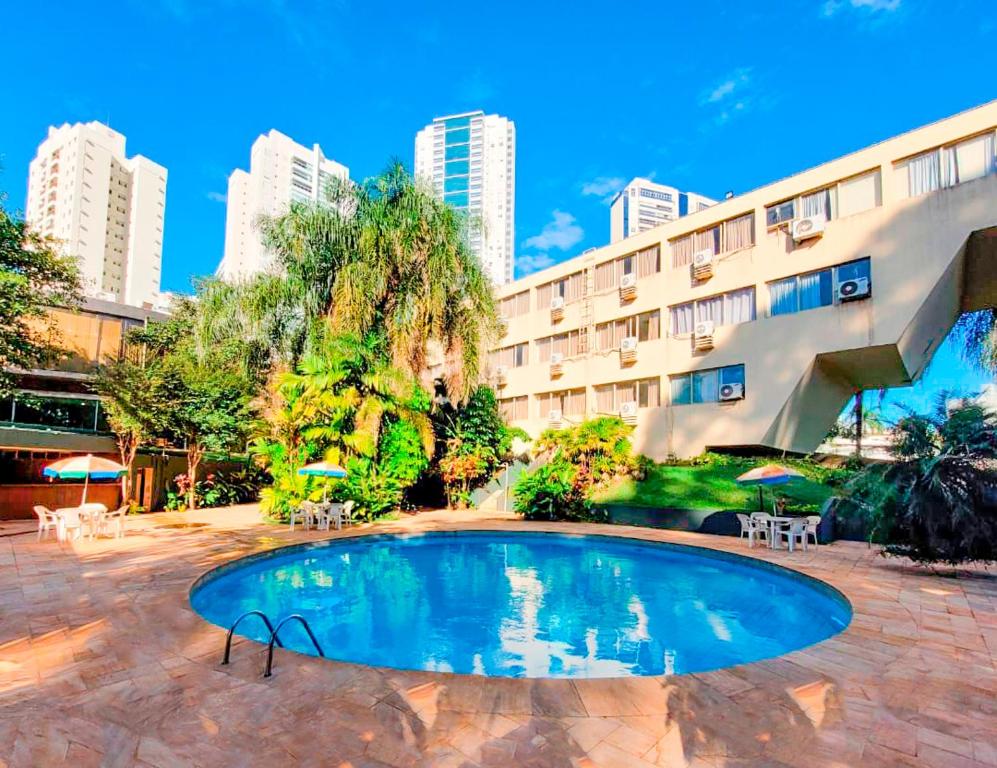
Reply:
x=769 y=474
x=87 y=468
x=323 y=469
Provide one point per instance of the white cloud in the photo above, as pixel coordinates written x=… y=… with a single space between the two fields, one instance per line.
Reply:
x=831 y=7
x=603 y=186
x=561 y=233
x=527 y=264
x=737 y=80
x=218 y=197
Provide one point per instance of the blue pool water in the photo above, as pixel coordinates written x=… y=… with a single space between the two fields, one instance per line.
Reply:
x=526 y=604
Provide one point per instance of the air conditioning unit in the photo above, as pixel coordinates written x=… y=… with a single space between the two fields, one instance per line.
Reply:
x=702 y=337
x=702 y=264
x=852 y=290
x=628 y=350
x=556 y=361
x=808 y=227
x=501 y=372
x=503 y=326
x=557 y=308
x=731 y=392
x=628 y=411
x=554 y=416
x=628 y=286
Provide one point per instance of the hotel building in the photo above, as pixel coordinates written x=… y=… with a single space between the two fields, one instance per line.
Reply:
x=104 y=208
x=752 y=322
x=470 y=160
x=281 y=172
x=643 y=204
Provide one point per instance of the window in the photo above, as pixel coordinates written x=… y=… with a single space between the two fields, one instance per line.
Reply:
x=812 y=289
x=570 y=288
x=656 y=195
x=568 y=344
x=704 y=386
x=455 y=184
x=514 y=408
x=645 y=326
x=516 y=305
x=859 y=193
x=570 y=402
x=644 y=263
x=780 y=212
x=514 y=356
x=49 y=411
x=723 y=309
x=458 y=152
x=729 y=235
x=969 y=159
x=609 y=398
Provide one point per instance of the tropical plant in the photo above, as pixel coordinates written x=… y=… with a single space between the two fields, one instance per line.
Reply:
x=473 y=441
x=938 y=501
x=600 y=448
x=385 y=255
x=976 y=336
x=554 y=492
x=33 y=277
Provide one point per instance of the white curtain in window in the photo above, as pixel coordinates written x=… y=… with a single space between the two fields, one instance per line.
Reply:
x=858 y=194
x=604 y=398
x=574 y=402
x=543 y=296
x=710 y=309
x=709 y=238
x=974 y=158
x=543 y=349
x=738 y=233
x=923 y=174
x=605 y=276
x=682 y=319
x=682 y=251
x=817 y=203
x=648 y=261
x=739 y=306
x=810 y=293
x=783 y=297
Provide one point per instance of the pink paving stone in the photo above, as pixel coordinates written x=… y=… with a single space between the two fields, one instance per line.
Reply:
x=102 y=661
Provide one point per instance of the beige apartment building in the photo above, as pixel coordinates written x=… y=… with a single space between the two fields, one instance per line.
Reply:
x=104 y=208
x=752 y=322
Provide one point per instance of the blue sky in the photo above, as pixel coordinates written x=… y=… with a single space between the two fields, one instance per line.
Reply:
x=707 y=96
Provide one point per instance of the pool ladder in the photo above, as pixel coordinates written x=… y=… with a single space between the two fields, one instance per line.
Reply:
x=274 y=639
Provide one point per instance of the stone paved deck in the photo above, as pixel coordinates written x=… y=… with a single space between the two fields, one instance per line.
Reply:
x=102 y=662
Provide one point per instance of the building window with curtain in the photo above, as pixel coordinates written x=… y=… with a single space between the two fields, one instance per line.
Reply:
x=515 y=356
x=515 y=306
x=570 y=402
x=704 y=386
x=729 y=308
x=645 y=327
x=609 y=398
x=813 y=289
x=966 y=160
x=514 y=408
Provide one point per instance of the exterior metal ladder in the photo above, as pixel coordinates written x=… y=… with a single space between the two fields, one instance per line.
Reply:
x=274 y=639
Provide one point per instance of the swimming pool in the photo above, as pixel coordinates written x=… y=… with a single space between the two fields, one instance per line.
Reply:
x=526 y=604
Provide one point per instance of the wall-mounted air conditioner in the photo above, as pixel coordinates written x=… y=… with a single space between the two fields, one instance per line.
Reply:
x=628 y=411
x=554 y=416
x=501 y=372
x=556 y=308
x=702 y=264
x=628 y=286
x=628 y=344
x=808 y=227
x=556 y=363
x=852 y=290
x=703 y=334
x=731 y=392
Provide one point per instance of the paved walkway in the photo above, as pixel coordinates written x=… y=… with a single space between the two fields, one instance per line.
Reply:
x=102 y=662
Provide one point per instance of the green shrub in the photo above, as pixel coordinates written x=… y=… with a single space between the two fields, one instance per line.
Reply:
x=553 y=492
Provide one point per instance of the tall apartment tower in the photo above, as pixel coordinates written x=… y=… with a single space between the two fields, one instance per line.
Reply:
x=470 y=159
x=643 y=205
x=104 y=208
x=281 y=171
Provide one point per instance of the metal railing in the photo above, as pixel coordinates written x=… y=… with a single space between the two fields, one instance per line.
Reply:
x=231 y=631
x=274 y=639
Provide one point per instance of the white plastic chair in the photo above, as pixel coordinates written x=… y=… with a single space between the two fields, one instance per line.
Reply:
x=92 y=514
x=47 y=520
x=795 y=531
x=333 y=512
x=113 y=521
x=70 y=522
x=348 y=511
x=812 y=522
x=305 y=513
x=748 y=529
x=762 y=521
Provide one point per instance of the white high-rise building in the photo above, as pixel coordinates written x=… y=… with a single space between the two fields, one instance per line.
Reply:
x=281 y=171
x=104 y=208
x=470 y=159
x=642 y=205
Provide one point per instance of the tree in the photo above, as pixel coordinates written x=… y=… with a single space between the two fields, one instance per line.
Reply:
x=938 y=501
x=976 y=335
x=32 y=277
x=387 y=256
x=133 y=412
x=202 y=397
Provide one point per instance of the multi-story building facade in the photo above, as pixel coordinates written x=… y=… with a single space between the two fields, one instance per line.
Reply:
x=281 y=172
x=753 y=321
x=470 y=160
x=644 y=204
x=103 y=208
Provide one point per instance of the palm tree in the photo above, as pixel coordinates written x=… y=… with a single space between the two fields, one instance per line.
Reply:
x=386 y=255
x=976 y=333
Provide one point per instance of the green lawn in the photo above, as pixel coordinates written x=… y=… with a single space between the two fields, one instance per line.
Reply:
x=709 y=486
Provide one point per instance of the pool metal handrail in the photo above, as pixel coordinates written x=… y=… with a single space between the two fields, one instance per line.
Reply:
x=274 y=639
x=231 y=631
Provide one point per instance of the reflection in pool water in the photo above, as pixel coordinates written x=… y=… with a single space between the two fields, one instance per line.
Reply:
x=527 y=605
